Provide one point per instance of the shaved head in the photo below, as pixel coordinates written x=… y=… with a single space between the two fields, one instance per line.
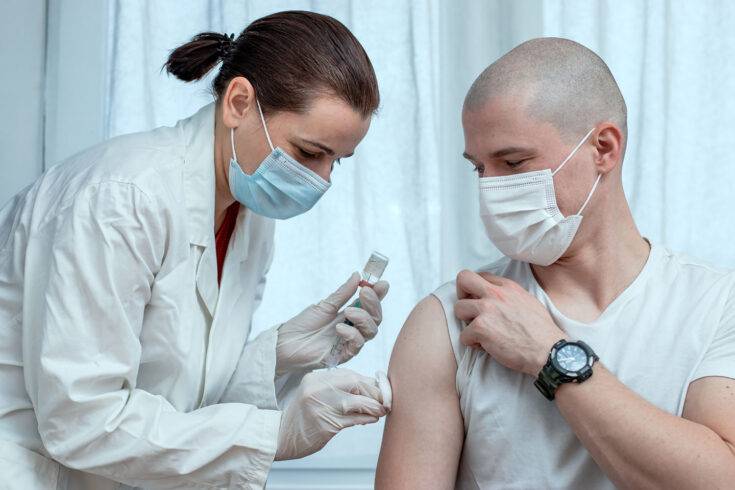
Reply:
x=562 y=82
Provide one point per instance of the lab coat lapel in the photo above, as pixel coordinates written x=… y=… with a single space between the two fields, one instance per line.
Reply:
x=199 y=186
x=207 y=286
x=237 y=253
x=229 y=329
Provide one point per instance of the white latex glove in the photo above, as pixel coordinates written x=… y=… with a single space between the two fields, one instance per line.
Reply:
x=306 y=339
x=325 y=403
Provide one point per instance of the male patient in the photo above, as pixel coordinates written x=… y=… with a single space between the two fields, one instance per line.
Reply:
x=647 y=398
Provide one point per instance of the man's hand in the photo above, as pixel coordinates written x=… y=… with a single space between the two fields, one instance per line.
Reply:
x=505 y=320
x=307 y=338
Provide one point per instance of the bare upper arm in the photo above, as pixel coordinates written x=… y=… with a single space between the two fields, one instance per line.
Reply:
x=424 y=432
x=710 y=401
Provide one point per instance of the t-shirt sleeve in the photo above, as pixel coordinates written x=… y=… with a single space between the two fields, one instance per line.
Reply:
x=447 y=296
x=719 y=360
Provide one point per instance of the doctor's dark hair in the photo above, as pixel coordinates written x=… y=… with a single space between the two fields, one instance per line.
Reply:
x=289 y=58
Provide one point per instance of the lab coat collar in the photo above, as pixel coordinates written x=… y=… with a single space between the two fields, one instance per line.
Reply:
x=199 y=188
x=199 y=181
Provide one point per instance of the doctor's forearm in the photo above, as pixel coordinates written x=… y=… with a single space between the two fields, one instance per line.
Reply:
x=143 y=441
x=638 y=445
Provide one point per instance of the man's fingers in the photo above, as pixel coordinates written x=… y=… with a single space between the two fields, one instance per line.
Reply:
x=470 y=336
x=493 y=279
x=471 y=285
x=466 y=309
x=362 y=320
x=338 y=298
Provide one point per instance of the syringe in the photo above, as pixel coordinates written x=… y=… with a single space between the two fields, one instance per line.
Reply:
x=371 y=273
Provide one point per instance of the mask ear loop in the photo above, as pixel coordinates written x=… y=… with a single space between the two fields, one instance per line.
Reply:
x=589 y=196
x=573 y=152
x=599 y=176
x=232 y=140
x=264 y=126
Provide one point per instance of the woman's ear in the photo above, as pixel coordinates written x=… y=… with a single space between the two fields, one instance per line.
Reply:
x=609 y=145
x=237 y=102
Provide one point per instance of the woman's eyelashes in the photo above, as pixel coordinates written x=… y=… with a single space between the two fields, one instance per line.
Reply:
x=318 y=155
x=337 y=161
x=306 y=154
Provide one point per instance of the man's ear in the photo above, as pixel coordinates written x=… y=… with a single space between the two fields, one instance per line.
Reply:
x=237 y=102
x=608 y=141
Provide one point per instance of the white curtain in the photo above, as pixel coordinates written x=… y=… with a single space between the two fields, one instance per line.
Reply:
x=673 y=62
x=407 y=193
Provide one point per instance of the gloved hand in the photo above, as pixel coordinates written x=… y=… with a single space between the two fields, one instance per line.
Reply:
x=307 y=338
x=325 y=403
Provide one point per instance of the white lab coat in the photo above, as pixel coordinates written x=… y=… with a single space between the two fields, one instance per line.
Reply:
x=120 y=357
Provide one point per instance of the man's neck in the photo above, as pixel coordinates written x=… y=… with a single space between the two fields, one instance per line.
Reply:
x=585 y=281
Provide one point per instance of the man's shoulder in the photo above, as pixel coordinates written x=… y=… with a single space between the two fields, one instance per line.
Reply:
x=504 y=267
x=683 y=269
x=446 y=294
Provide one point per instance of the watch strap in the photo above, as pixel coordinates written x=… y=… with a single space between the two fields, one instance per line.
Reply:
x=550 y=378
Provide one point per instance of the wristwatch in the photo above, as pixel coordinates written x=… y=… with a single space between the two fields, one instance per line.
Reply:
x=569 y=360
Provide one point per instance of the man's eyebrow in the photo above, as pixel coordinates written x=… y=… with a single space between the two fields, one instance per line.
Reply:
x=501 y=153
x=508 y=151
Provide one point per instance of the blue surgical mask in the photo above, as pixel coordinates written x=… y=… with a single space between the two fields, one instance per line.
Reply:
x=280 y=188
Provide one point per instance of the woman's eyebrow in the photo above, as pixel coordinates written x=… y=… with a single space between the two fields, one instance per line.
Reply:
x=325 y=148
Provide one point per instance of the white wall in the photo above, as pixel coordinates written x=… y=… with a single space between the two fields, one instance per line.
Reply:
x=22 y=45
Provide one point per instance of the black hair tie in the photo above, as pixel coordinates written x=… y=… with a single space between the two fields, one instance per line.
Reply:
x=225 y=45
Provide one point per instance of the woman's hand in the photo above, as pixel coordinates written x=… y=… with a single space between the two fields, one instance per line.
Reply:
x=307 y=338
x=327 y=402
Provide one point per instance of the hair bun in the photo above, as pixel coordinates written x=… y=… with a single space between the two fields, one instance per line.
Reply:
x=194 y=59
x=225 y=45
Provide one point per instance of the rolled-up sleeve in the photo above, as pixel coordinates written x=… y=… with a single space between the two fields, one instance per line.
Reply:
x=91 y=267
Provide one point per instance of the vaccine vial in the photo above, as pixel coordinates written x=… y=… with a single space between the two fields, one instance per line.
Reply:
x=371 y=274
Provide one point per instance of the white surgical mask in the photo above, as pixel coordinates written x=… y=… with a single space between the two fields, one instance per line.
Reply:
x=522 y=219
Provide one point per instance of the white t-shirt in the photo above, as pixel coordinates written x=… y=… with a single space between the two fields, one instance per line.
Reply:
x=674 y=324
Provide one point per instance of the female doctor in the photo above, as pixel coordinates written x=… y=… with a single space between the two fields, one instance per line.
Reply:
x=129 y=275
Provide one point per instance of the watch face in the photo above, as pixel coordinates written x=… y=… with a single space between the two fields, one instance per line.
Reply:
x=571 y=357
